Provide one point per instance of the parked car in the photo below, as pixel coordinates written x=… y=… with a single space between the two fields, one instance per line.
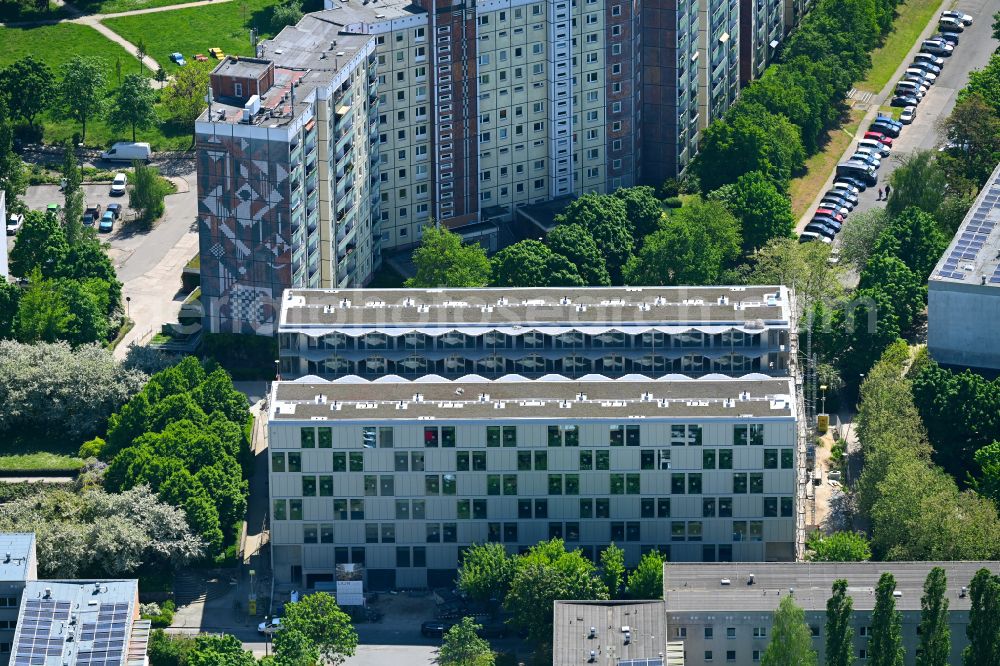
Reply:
x=435 y=628
x=217 y=53
x=951 y=38
x=107 y=223
x=822 y=230
x=937 y=61
x=828 y=220
x=810 y=236
x=912 y=88
x=947 y=23
x=854 y=185
x=937 y=48
x=920 y=74
x=926 y=66
x=885 y=128
x=904 y=101
x=14 y=223
x=866 y=156
x=859 y=171
x=178 y=59
x=875 y=146
x=118 y=185
x=908 y=114
x=52 y=209
x=878 y=136
x=115 y=208
x=829 y=212
x=847 y=196
x=92 y=214
x=128 y=151
x=836 y=205
x=269 y=626
x=965 y=19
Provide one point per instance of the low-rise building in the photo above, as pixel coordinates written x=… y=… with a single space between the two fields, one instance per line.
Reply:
x=400 y=476
x=723 y=612
x=612 y=331
x=18 y=565
x=963 y=292
x=612 y=633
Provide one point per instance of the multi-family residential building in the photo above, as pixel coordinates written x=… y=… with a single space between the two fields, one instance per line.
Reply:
x=762 y=29
x=963 y=292
x=399 y=476
x=723 y=612
x=18 y=565
x=352 y=130
x=611 y=331
x=81 y=623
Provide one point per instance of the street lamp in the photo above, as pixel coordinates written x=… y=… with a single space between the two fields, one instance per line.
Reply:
x=823 y=398
x=128 y=307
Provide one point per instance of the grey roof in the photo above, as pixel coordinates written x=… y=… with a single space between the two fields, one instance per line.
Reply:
x=17 y=552
x=698 y=588
x=751 y=306
x=552 y=398
x=973 y=256
x=571 y=642
x=64 y=623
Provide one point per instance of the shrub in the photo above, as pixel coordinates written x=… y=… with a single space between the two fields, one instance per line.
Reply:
x=92 y=448
x=673 y=202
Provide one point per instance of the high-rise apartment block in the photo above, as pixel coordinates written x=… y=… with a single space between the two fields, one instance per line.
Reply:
x=611 y=331
x=353 y=129
x=400 y=476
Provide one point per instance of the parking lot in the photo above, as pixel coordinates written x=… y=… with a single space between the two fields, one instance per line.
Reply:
x=40 y=196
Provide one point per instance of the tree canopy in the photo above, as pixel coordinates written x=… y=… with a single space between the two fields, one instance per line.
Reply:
x=442 y=260
x=462 y=646
x=791 y=641
x=839 y=633
x=839 y=547
x=531 y=263
x=935 y=629
x=576 y=244
x=321 y=621
x=885 y=646
x=646 y=581
x=486 y=571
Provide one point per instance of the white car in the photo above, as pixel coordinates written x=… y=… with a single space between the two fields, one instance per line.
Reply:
x=907 y=115
x=269 y=626
x=118 y=185
x=965 y=19
x=14 y=222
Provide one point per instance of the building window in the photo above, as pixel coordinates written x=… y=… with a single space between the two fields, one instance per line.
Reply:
x=307 y=438
x=730 y=655
x=708 y=655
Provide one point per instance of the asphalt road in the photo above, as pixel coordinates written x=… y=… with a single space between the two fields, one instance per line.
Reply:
x=973 y=52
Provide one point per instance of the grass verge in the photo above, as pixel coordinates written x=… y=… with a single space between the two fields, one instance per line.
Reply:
x=123 y=330
x=14 y=13
x=196 y=29
x=40 y=461
x=910 y=21
x=803 y=189
x=115 y=6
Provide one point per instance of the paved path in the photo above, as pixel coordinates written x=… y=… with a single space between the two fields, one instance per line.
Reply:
x=973 y=51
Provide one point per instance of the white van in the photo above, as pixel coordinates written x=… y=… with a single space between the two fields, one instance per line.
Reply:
x=128 y=151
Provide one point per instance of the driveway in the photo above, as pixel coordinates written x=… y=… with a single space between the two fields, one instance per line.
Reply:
x=973 y=52
x=148 y=262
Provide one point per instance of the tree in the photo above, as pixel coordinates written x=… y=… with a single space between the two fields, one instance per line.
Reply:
x=28 y=86
x=169 y=650
x=292 y=648
x=73 y=196
x=889 y=275
x=917 y=181
x=996 y=26
x=530 y=263
x=133 y=105
x=574 y=242
x=41 y=245
x=860 y=235
x=221 y=650
x=613 y=569
x=988 y=459
x=289 y=13
x=10 y=298
x=486 y=572
x=791 y=641
x=185 y=95
x=691 y=247
x=13 y=178
x=52 y=390
x=934 y=631
x=442 y=260
x=462 y=646
x=973 y=128
x=646 y=582
x=545 y=573
x=763 y=211
x=839 y=634
x=886 y=644
x=804 y=267
x=839 y=547
x=913 y=236
x=788 y=91
x=642 y=209
x=606 y=218
x=985 y=82
x=320 y=619
x=146 y=192
x=983 y=629
x=81 y=90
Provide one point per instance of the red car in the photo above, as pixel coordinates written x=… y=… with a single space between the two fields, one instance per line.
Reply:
x=878 y=136
x=830 y=213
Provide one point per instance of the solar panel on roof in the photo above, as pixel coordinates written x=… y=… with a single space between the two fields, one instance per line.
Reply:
x=656 y=661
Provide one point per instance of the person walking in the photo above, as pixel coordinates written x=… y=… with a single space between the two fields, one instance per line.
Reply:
x=887 y=191
x=879 y=197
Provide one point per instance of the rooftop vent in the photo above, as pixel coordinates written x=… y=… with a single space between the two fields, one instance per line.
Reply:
x=7 y=558
x=963 y=593
x=628 y=637
x=48 y=593
x=750 y=580
x=897 y=594
x=725 y=581
x=593 y=633
x=593 y=657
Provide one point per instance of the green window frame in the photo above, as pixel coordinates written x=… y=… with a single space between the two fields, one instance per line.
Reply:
x=740 y=435
x=493 y=436
x=571 y=435
x=787 y=458
x=725 y=458
x=756 y=434
x=555 y=484
x=586 y=460
x=510 y=484
x=339 y=462
x=616 y=435
x=479 y=461
x=541 y=460
x=633 y=435
x=510 y=436
x=325 y=437
x=294 y=461
x=448 y=437
x=572 y=484
x=309 y=486
x=678 y=434
x=617 y=482
x=694 y=483
x=524 y=461
x=326 y=486
x=708 y=459
x=493 y=484
x=356 y=461
x=310 y=534
x=479 y=509
x=647 y=459
x=770 y=458
x=739 y=483
x=554 y=436
x=632 y=484
x=463 y=509
x=371 y=485
x=295 y=509
x=277 y=462
x=603 y=460
x=449 y=484
x=756 y=483
x=307 y=438
x=677 y=483
x=280 y=509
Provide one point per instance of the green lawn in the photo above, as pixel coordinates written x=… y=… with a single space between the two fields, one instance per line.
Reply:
x=115 y=6
x=196 y=29
x=912 y=17
x=57 y=44
x=803 y=189
x=40 y=461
